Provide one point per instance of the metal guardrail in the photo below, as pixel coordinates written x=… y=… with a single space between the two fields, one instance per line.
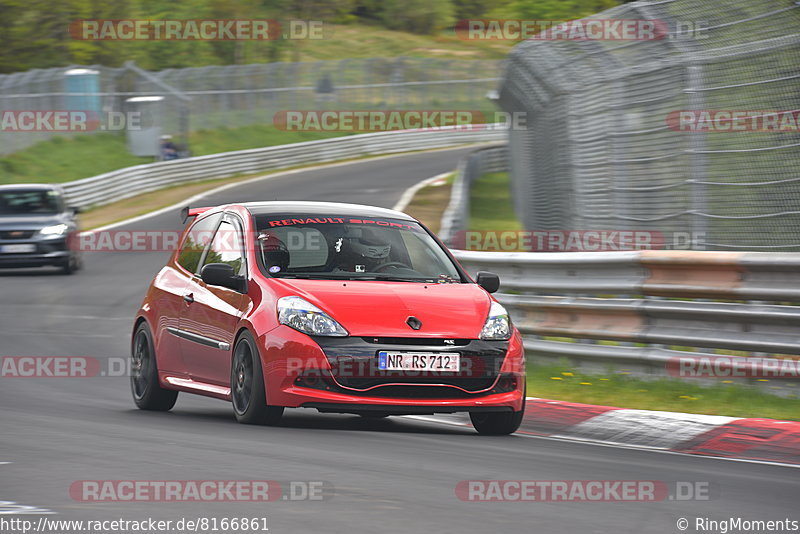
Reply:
x=456 y=215
x=645 y=309
x=131 y=181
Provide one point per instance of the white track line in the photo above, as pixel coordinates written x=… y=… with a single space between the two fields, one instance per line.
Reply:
x=408 y=194
x=221 y=188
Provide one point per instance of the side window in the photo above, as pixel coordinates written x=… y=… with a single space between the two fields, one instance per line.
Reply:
x=197 y=239
x=227 y=247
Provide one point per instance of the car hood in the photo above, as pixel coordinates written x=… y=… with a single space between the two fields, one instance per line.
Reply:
x=30 y=222
x=376 y=308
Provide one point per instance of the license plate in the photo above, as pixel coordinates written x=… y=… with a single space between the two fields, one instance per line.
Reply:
x=419 y=361
x=19 y=248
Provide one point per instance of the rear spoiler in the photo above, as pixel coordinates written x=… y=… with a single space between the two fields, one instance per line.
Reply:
x=187 y=212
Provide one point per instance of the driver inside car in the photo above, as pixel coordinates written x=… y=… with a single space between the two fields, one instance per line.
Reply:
x=361 y=250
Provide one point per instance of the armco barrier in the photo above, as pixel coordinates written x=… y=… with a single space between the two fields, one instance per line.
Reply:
x=456 y=217
x=649 y=307
x=131 y=181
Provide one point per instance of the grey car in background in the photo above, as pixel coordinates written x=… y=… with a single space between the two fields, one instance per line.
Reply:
x=37 y=228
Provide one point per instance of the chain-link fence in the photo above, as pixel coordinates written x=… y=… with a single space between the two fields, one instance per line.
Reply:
x=240 y=95
x=602 y=148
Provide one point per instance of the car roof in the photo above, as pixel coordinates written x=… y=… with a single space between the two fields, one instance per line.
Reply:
x=34 y=187
x=327 y=209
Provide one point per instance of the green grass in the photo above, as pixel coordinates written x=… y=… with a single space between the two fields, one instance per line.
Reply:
x=254 y=136
x=362 y=41
x=63 y=160
x=614 y=389
x=491 y=207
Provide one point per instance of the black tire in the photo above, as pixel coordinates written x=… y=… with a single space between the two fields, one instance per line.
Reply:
x=498 y=423
x=73 y=264
x=248 y=396
x=147 y=392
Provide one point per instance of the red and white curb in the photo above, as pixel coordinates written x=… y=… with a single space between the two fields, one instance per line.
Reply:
x=765 y=440
x=732 y=438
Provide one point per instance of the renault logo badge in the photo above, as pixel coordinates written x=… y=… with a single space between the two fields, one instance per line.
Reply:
x=414 y=323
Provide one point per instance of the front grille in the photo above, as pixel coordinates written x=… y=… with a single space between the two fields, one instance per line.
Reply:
x=17 y=234
x=353 y=363
x=474 y=377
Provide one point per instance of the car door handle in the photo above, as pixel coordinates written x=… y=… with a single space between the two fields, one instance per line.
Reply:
x=189 y=298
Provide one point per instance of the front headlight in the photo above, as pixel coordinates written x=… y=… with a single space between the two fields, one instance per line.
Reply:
x=498 y=325
x=55 y=230
x=304 y=317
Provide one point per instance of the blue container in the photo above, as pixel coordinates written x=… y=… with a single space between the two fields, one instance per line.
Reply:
x=83 y=90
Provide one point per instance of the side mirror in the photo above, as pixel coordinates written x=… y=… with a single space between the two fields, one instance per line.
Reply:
x=488 y=281
x=223 y=275
x=75 y=210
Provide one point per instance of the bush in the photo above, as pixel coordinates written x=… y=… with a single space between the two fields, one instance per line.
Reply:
x=418 y=16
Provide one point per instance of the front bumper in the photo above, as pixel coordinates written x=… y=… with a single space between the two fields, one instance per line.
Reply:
x=48 y=251
x=291 y=357
x=397 y=409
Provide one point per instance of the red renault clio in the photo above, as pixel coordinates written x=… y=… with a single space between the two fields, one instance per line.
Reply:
x=339 y=307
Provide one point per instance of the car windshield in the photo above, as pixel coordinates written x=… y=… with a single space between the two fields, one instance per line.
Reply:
x=30 y=202
x=335 y=248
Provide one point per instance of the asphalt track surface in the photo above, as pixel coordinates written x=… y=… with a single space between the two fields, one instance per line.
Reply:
x=393 y=475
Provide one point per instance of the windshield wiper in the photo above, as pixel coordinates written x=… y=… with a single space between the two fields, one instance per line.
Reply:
x=325 y=276
x=367 y=277
x=354 y=276
x=395 y=278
